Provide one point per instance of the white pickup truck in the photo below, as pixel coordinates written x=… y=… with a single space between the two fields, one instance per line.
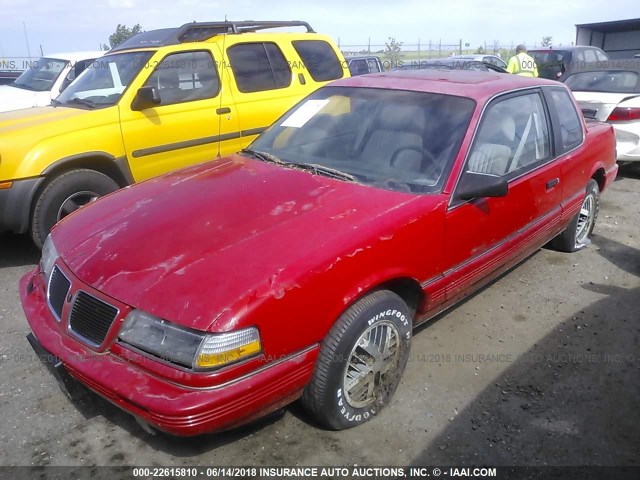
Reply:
x=44 y=80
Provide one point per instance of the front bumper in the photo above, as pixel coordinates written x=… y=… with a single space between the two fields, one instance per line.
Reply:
x=15 y=204
x=167 y=405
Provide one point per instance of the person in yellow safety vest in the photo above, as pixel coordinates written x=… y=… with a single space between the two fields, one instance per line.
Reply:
x=522 y=64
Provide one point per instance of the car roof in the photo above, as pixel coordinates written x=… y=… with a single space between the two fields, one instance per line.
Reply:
x=361 y=57
x=568 y=48
x=202 y=32
x=474 y=56
x=465 y=83
x=75 y=56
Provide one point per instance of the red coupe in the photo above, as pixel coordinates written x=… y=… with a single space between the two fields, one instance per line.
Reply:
x=208 y=297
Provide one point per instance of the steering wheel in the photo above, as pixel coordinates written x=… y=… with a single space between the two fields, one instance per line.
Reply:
x=426 y=155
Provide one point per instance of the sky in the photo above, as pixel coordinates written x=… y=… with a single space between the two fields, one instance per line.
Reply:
x=72 y=25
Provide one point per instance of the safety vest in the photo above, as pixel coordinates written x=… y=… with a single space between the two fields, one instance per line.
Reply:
x=522 y=64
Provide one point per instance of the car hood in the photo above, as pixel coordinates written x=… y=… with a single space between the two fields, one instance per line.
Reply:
x=36 y=117
x=14 y=98
x=193 y=245
x=23 y=132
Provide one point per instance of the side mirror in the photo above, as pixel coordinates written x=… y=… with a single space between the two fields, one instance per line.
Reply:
x=478 y=185
x=146 y=97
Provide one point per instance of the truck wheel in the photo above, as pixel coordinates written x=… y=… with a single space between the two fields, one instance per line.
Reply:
x=577 y=234
x=361 y=361
x=65 y=194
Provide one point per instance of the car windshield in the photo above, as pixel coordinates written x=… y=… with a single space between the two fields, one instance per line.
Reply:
x=104 y=81
x=605 y=81
x=41 y=74
x=392 y=139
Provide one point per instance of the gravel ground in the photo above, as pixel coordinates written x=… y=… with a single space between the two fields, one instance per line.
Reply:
x=540 y=368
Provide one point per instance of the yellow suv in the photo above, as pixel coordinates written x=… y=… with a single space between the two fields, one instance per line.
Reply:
x=164 y=99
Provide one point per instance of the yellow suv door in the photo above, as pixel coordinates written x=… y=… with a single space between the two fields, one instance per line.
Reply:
x=188 y=123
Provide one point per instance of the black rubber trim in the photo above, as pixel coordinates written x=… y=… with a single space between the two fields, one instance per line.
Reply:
x=169 y=147
x=79 y=156
x=15 y=204
x=253 y=131
x=123 y=166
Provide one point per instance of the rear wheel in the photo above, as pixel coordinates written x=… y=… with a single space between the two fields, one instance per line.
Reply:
x=577 y=234
x=361 y=362
x=65 y=194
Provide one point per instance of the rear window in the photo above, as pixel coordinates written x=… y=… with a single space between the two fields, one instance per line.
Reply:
x=570 y=125
x=550 y=59
x=320 y=59
x=605 y=81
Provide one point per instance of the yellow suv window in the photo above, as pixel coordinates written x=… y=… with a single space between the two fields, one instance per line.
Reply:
x=185 y=77
x=259 y=66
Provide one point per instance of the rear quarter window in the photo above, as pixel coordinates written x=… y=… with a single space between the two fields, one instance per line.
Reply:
x=319 y=59
x=570 y=127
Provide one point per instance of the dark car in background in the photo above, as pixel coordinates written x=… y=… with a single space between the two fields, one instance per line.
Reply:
x=492 y=59
x=361 y=65
x=555 y=63
x=450 y=63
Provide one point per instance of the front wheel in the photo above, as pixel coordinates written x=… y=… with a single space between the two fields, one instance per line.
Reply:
x=65 y=194
x=361 y=361
x=577 y=234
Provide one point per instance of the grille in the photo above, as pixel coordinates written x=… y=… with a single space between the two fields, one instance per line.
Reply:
x=58 y=289
x=91 y=318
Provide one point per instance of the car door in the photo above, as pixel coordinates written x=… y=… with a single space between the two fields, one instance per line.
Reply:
x=190 y=124
x=483 y=234
x=261 y=83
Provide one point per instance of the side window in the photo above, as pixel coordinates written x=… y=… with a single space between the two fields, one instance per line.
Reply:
x=590 y=55
x=374 y=66
x=184 y=77
x=601 y=56
x=258 y=67
x=319 y=59
x=570 y=125
x=578 y=56
x=358 y=67
x=513 y=137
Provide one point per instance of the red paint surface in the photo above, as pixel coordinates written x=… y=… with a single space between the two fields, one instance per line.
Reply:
x=238 y=242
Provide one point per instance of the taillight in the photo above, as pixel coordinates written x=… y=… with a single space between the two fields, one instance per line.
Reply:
x=624 y=114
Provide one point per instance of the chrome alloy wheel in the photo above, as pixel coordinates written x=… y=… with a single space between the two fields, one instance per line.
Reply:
x=586 y=217
x=74 y=202
x=371 y=364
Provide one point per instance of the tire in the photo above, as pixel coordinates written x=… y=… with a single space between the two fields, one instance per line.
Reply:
x=577 y=234
x=63 y=195
x=336 y=396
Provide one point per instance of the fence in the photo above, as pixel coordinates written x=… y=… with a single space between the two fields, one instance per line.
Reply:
x=431 y=49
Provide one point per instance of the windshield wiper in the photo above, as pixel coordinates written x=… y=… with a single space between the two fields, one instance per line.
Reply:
x=22 y=85
x=264 y=156
x=80 y=101
x=312 y=167
x=326 y=171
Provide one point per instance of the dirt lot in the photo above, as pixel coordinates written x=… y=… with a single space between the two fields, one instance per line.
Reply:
x=540 y=368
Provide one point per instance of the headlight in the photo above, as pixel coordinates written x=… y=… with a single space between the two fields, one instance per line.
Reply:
x=49 y=256
x=189 y=348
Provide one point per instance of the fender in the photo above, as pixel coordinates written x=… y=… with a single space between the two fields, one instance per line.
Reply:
x=119 y=164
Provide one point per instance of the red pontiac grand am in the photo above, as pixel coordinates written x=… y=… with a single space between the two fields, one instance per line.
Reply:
x=208 y=297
